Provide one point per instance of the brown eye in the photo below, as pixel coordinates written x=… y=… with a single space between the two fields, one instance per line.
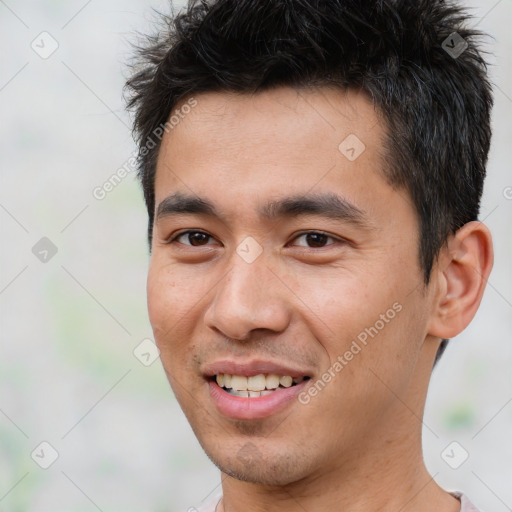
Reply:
x=193 y=238
x=314 y=239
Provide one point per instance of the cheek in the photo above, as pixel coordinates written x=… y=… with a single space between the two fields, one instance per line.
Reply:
x=165 y=298
x=341 y=304
x=378 y=314
x=170 y=312
x=174 y=305
x=157 y=297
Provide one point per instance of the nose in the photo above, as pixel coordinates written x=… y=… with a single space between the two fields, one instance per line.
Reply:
x=250 y=296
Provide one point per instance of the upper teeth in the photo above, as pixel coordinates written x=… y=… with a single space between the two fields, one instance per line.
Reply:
x=256 y=382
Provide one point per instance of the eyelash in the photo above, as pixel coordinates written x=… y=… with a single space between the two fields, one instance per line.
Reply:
x=174 y=238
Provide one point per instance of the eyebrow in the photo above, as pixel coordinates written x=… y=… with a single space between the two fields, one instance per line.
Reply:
x=327 y=205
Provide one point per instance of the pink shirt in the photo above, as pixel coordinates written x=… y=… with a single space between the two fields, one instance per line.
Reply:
x=209 y=506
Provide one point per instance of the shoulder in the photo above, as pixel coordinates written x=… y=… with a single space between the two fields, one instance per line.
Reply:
x=465 y=503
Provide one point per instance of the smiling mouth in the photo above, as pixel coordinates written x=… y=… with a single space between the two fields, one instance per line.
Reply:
x=257 y=385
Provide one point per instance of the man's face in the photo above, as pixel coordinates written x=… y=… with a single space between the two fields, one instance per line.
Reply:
x=287 y=290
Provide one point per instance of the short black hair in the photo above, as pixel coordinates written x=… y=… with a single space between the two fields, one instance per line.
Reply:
x=417 y=60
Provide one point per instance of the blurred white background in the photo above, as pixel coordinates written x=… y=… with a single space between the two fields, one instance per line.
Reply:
x=69 y=325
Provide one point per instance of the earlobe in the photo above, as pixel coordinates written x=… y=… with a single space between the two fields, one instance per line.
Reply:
x=464 y=267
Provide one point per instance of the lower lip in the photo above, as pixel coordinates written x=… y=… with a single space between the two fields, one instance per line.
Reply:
x=242 y=408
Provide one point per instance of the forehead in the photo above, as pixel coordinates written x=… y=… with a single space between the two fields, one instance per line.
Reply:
x=245 y=146
x=279 y=118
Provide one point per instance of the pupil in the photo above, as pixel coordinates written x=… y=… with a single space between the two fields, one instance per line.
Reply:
x=197 y=237
x=316 y=239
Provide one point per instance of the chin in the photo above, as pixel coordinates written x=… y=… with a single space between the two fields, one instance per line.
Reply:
x=250 y=464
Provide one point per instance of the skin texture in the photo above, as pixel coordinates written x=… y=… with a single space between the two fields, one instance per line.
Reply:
x=357 y=444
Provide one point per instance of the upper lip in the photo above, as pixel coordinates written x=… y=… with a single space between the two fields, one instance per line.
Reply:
x=251 y=368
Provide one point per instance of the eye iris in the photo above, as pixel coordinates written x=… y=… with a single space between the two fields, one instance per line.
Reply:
x=196 y=236
x=316 y=239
